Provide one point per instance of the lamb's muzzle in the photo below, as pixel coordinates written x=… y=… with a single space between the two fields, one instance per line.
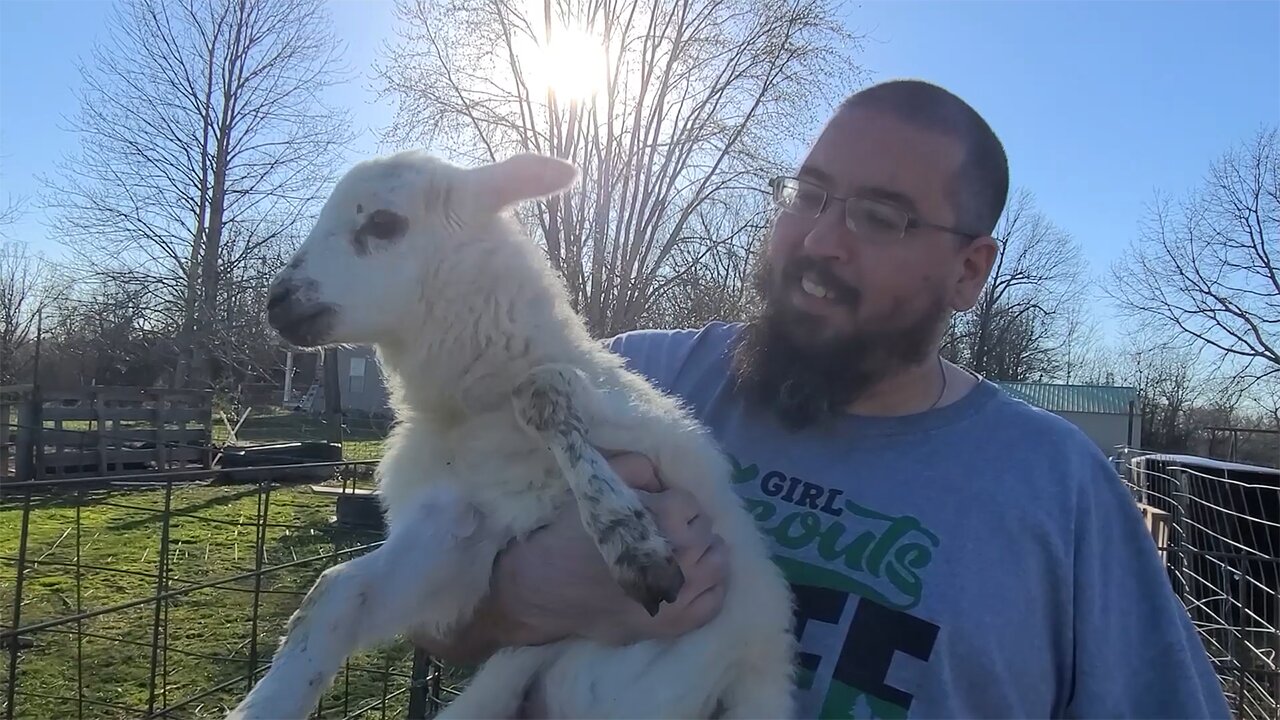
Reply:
x=303 y=322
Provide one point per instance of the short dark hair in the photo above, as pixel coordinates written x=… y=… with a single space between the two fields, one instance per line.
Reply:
x=982 y=183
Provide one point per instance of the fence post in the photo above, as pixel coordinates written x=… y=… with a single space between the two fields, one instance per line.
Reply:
x=1177 y=557
x=160 y=420
x=28 y=450
x=100 y=423
x=333 y=395
x=5 y=435
x=1275 y=662
x=418 y=679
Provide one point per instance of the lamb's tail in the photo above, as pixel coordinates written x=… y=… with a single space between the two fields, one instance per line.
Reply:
x=498 y=688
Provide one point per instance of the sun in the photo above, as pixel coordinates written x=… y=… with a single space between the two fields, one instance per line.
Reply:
x=572 y=65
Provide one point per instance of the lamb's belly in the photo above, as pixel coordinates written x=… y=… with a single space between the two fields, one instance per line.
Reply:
x=588 y=680
x=519 y=493
x=515 y=489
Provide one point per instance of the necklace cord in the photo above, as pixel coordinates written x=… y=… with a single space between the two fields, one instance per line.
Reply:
x=941 y=393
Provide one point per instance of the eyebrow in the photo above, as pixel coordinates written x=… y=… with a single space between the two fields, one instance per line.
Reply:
x=890 y=196
x=813 y=173
x=894 y=197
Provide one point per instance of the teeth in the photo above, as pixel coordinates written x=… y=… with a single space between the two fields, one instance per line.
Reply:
x=812 y=286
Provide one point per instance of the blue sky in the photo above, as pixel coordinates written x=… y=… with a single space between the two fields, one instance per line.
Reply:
x=1100 y=104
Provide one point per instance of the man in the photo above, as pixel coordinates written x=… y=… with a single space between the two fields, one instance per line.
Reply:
x=954 y=553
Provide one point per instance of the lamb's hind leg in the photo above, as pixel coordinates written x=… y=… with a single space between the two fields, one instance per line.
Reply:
x=425 y=574
x=548 y=403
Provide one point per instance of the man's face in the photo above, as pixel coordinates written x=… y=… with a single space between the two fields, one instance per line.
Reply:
x=843 y=307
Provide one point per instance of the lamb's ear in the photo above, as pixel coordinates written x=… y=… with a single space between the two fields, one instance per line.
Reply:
x=522 y=177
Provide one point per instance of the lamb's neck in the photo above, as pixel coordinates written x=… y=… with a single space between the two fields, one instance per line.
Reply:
x=476 y=345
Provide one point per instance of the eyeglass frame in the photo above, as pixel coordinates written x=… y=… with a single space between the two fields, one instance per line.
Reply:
x=912 y=221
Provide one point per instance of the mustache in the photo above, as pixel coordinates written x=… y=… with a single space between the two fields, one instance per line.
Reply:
x=838 y=290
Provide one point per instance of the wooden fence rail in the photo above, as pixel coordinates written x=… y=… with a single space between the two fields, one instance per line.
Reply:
x=50 y=434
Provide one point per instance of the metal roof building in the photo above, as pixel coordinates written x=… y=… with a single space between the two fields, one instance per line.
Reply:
x=1107 y=414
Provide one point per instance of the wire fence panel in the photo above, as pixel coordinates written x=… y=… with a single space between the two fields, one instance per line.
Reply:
x=169 y=601
x=1220 y=536
x=164 y=592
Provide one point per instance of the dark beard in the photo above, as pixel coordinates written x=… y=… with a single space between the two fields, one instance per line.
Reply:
x=792 y=364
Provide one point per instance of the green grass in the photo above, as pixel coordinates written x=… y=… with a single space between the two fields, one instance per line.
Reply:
x=211 y=536
x=101 y=667
x=362 y=439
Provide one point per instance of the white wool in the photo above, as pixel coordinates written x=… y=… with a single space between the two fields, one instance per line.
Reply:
x=463 y=309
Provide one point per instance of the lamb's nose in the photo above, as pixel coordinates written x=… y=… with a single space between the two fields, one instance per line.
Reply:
x=280 y=294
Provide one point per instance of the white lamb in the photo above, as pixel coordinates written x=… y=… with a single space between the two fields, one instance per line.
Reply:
x=502 y=398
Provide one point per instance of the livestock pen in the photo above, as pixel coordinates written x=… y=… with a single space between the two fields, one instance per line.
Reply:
x=1217 y=524
x=164 y=594
x=152 y=591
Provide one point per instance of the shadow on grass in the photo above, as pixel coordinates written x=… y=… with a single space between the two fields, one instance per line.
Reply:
x=216 y=501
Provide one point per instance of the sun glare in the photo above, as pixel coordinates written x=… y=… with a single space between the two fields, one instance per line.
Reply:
x=572 y=65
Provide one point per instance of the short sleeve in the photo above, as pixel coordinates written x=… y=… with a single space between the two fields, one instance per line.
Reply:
x=1136 y=652
x=658 y=355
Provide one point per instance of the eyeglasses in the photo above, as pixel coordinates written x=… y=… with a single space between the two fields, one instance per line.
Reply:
x=874 y=219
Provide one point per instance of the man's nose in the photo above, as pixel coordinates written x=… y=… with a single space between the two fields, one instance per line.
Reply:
x=830 y=237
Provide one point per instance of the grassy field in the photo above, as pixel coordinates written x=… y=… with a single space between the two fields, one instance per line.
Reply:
x=106 y=661
x=362 y=439
x=102 y=667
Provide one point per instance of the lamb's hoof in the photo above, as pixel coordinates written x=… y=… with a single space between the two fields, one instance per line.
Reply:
x=652 y=582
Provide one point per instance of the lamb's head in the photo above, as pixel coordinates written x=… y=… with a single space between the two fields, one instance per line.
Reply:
x=387 y=226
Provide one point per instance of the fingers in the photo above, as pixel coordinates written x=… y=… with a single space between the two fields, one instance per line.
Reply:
x=702 y=595
x=701 y=554
x=672 y=509
x=701 y=609
x=637 y=471
x=699 y=535
x=704 y=568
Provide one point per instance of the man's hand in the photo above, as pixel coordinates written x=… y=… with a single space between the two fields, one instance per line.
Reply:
x=555 y=584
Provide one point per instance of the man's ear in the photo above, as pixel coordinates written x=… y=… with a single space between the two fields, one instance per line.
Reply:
x=527 y=176
x=977 y=258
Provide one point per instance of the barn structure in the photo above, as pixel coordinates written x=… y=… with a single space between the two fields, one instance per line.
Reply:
x=1107 y=414
x=362 y=388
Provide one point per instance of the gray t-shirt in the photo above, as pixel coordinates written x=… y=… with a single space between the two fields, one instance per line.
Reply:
x=979 y=560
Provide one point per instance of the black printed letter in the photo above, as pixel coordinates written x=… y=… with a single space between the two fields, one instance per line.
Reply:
x=875 y=635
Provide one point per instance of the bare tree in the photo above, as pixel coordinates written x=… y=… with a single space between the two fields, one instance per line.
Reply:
x=103 y=334
x=684 y=108
x=1082 y=357
x=1167 y=385
x=26 y=289
x=204 y=136
x=1181 y=389
x=1013 y=332
x=1205 y=267
x=10 y=212
x=712 y=276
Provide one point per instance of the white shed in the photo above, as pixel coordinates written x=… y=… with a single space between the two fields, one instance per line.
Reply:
x=1108 y=414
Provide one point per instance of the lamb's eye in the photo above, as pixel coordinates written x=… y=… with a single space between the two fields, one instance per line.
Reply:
x=386 y=225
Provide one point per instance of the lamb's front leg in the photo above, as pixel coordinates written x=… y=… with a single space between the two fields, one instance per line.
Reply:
x=548 y=403
x=430 y=571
